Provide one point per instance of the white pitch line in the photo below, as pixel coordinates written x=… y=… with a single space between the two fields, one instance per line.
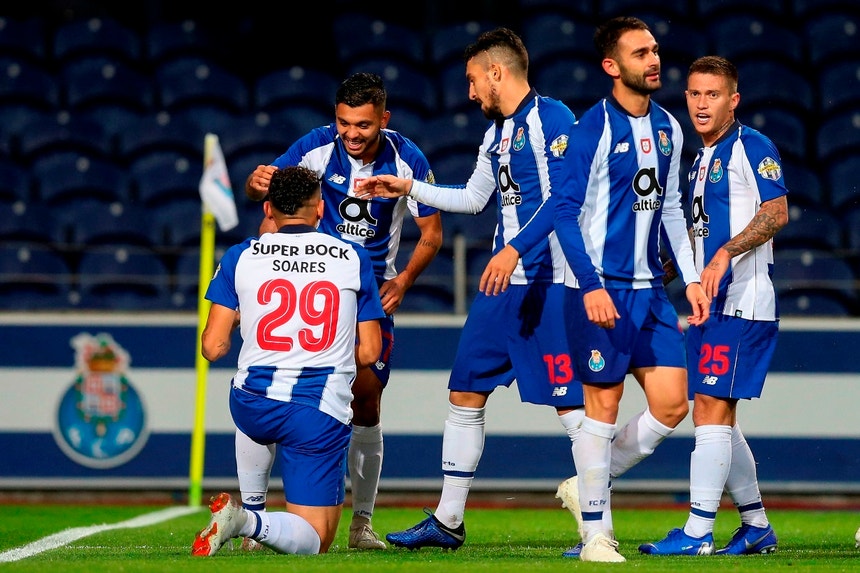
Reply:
x=73 y=534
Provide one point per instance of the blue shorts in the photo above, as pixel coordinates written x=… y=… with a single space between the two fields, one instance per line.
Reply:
x=728 y=357
x=647 y=334
x=313 y=445
x=382 y=366
x=518 y=335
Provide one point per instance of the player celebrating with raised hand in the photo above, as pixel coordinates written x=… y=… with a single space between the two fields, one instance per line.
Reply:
x=739 y=203
x=620 y=199
x=514 y=330
x=356 y=146
x=304 y=298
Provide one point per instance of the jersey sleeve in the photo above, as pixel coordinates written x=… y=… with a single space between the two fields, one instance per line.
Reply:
x=222 y=286
x=369 y=305
x=766 y=164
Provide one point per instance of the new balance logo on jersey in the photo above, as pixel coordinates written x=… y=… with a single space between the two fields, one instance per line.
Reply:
x=337 y=179
x=622 y=147
x=559 y=392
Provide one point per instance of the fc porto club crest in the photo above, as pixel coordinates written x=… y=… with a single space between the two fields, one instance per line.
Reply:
x=520 y=139
x=664 y=144
x=101 y=422
x=716 y=172
x=596 y=363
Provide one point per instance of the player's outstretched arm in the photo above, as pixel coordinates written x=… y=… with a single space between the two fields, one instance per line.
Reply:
x=383 y=186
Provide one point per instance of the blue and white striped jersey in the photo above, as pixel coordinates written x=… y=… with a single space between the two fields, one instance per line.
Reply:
x=374 y=224
x=728 y=183
x=620 y=201
x=300 y=293
x=520 y=162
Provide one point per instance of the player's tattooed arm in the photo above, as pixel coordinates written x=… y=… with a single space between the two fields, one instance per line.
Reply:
x=771 y=217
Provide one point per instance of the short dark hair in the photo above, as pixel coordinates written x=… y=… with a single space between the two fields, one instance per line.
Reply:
x=291 y=188
x=607 y=34
x=360 y=89
x=716 y=66
x=504 y=39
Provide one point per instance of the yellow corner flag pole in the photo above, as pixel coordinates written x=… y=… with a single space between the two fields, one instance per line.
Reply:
x=201 y=365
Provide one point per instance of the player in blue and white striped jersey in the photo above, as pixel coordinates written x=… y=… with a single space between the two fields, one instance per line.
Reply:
x=739 y=203
x=356 y=146
x=620 y=199
x=514 y=330
x=308 y=310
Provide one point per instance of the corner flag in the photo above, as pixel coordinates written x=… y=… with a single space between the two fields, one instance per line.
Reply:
x=215 y=189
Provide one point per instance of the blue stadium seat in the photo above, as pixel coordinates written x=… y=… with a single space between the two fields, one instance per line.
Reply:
x=578 y=83
x=100 y=35
x=16 y=182
x=816 y=270
x=838 y=136
x=161 y=132
x=165 y=40
x=435 y=282
x=62 y=132
x=165 y=176
x=256 y=134
x=22 y=221
x=671 y=95
x=25 y=38
x=297 y=120
x=810 y=227
x=803 y=184
x=282 y=89
x=844 y=181
x=186 y=279
x=407 y=121
x=785 y=128
x=453 y=168
x=359 y=37
x=851 y=227
x=579 y=9
x=786 y=86
x=740 y=37
x=178 y=222
x=670 y=9
x=550 y=36
x=831 y=36
x=193 y=82
x=453 y=133
x=100 y=80
x=406 y=84
x=710 y=9
x=477 y=230
x=427 y=299
x=25 y=83
x=681 y=39
x=33 y=277
x=123 y=279
x=96 y=223
x=66 y=177
x=454 y=89
x=447 y=42
x=799 y=302
x=839 y=86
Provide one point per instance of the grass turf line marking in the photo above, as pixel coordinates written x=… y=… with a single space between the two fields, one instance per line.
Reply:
x=73 y=534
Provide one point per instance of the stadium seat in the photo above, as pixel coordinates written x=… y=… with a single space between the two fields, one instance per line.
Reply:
x=831 y=36
x=22 y=221
x=447 y=42
x=578 y=83
x=454 y=89
x=96 y=223
x=670 y=9
x=297 y=120
x=407 y=85
x=851 y=227
x=427 y=299
x=550 y=36
x=62 y=132
x=740 y=37
x=186 y=280
x=162 y=177
x=25 y=38
x=16 y=182
x=166 y=40
x=671 y=95
x=33 y=277
x=256 y=134
x=100 y=35
x=161 y=132
x=407 y=121
x=579 y=9
x=816 y=270
x=707 y=10
x=681 y=39
x=839 y=86
x=359 y=37
x=436 y=281
x=123 y=279
x=99 y=80
x=785 y=128
x=27 y=84
x=799 y=302
x=786 y=86
x=803 y=184
x=811 y=227
x=453 y=168
x=453 y=133
x=838 y=136
x=193 y=82
x=282 y=89
x=844 y=182
x=66 y=177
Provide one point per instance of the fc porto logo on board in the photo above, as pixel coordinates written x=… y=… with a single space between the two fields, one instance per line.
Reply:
x=101 y=420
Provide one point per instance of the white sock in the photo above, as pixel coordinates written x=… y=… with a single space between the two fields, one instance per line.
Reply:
x=253 y=466
x=365 y=467
x=462 y=446
x=636 y=441
x=592 y=453
x=742 y=482
x=282 y=531
x=709 y=468
x=572 y=422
